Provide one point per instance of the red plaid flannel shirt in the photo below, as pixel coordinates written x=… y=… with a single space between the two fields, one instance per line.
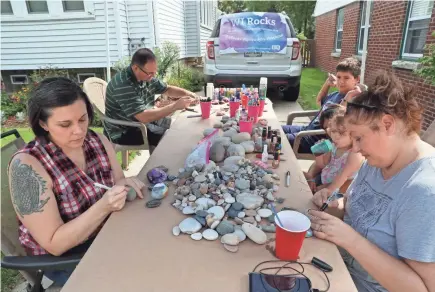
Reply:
x=73 y=189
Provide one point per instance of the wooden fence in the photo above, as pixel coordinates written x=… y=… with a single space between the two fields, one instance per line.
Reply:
x=308 y=53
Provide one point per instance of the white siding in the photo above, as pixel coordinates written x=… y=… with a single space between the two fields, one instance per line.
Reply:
x=171 y=23
x=205 y=35
x=139 y=21
x=324 y=6
x=63 y=43
x=123 y=27
x=192 y=29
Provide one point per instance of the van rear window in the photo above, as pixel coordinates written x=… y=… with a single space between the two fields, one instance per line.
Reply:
x=217 y=27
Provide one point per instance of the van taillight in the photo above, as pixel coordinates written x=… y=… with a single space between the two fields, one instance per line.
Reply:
x=295 y=51
x=210 y=50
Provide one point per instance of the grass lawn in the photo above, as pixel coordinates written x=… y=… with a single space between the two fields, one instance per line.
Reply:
x=311 y=82
x=27 y=135
x=10 y=279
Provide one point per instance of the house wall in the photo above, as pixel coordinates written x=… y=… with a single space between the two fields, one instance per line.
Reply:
x=192 y=29
x=28 y=42
x=140 y=23
x=171 y=23
x=388 y=20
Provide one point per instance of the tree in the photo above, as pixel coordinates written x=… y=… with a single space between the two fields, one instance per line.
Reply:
x=231 y=6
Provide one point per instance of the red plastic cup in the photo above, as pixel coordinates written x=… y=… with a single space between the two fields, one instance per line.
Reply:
x=245 y=126
x=253 y=111
x=260 y=112
x=291 y=235
x=234 y=106
x=205 y=109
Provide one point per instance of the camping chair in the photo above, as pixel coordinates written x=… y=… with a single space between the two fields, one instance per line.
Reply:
x=95 y=88
x=298 y=137
x=31 y=267
x=429 y=135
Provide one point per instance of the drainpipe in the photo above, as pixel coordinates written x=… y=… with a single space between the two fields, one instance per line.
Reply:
x=366 y=36
x=106 y=8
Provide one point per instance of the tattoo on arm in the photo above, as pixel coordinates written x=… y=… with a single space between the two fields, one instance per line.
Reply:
x=26 y=188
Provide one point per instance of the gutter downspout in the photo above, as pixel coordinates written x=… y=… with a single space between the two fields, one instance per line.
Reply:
x=366 y=36
x=107 y=41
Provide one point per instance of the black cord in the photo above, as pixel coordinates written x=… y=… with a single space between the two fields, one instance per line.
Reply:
x=286 y=266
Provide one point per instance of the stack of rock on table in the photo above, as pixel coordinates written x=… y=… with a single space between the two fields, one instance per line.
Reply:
x=231 y=200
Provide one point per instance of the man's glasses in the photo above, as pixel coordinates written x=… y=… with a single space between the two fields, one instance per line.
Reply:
x=148 y=74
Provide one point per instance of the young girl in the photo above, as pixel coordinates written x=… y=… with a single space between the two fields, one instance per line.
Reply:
x=337 y=168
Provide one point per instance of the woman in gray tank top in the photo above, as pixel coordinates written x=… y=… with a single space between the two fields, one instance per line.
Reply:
x=386 y=226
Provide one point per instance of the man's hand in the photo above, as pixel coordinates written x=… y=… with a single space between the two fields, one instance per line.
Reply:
x=183 y=102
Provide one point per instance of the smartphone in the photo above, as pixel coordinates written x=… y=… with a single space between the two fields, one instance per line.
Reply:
x=276 y=283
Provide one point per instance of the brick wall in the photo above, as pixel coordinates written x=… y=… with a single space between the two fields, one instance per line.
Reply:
x=386 y=33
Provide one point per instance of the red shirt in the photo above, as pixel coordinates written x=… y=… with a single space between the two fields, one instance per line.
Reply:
x=73 y=189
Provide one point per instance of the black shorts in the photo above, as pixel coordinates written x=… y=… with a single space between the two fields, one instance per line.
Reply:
x=133 y=136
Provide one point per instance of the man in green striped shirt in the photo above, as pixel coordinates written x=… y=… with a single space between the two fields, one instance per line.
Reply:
x=130 y=97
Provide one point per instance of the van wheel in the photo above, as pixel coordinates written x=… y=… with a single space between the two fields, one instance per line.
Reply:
x=292 y=93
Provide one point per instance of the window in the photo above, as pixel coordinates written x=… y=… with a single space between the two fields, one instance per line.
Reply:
x=19 y=79
x=36 y=6
x=419 y=15
x=71 y=6
x=362 y=26
x=207 y=13
x=339 y=34
x=6 y=7
x=81 y=77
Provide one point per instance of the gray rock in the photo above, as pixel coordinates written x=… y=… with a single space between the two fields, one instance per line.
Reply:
x=210 y=234
x=249 y=220
x=131 y=195
x=238 y=221
x=225 y=141
x=188 y=210
x=240 y=137
x=254 y=233
x=236 y=150
x=225 y=227
x=230 y=133
x=237 y=206
x=218 y=212
x=268 y=228
x=189 y=226
x=208 y=131
x=252 y=185
x=249 y=201
x=232 y=160
x=199 y=167
x=200 y=178
x=231 y=248
x=242 y=184
x=249 y=146
x=176 y=231
x=210 y=166
x=201 y=213
x=232 y=213
x=280 y=200
x=217 y=152
x=225 y=119
x=230 y=168
x=269 y=185
x=240 y=234
x=183 y=190
x=203 y=188
x=230 y=239
x=200 y=220
x=218 y=125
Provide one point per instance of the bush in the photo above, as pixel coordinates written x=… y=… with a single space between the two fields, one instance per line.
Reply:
x=167 y=57
x=186 y=77
x=97 y=121
x=46 y=72
x=15 y=103
x=427 y=64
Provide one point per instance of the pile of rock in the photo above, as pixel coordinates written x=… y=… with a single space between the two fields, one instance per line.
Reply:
x=229 y=201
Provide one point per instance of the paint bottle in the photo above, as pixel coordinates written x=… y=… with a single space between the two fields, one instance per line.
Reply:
x=264 y=155
x=275 y=162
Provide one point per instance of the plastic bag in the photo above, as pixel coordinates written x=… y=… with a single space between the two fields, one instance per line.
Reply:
x=201 y=153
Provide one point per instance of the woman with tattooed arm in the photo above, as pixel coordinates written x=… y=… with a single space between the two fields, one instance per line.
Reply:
x=52 y=180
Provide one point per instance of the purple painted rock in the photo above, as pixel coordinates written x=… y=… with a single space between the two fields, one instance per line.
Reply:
x=156 y=175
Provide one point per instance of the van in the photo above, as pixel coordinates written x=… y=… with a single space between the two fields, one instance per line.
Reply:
x=283 y=70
